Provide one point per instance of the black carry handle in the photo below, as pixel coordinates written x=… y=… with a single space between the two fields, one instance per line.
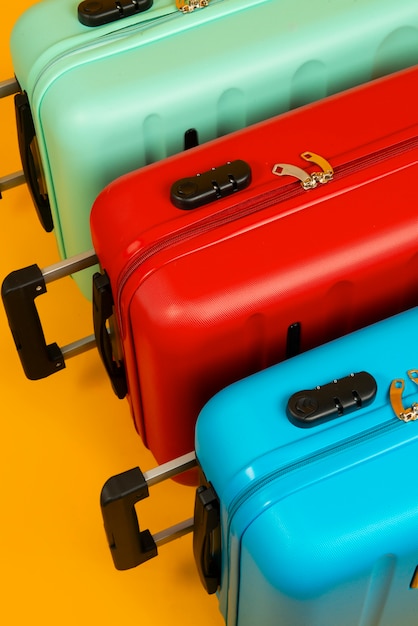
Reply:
x=129 y=545
x=19 y=291
x=206 y=537
x=31 y=161
x=102 y=311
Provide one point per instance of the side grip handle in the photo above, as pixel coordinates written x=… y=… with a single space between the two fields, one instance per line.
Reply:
x=102 y=311
x=31 y=161
x=206 y=537
x=19 y=290
x=129 y=545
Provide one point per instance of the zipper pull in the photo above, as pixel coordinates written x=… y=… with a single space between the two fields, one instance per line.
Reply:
x=327 y=173
x=395 y=393
x=286 y=169
x=187 y=6
x=308 y=181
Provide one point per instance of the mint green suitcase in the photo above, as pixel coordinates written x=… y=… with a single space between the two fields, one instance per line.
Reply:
x=108 y=99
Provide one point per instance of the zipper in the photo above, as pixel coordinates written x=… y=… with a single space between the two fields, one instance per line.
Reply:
x=254 y=205
x=399 y=418
x=108 y=37
x=246 y=493
x=308 y=181
x=177 y=11
x=205 y=225
x=371 y=433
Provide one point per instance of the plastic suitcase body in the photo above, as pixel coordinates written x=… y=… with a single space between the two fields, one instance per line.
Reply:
x=106 y=100
x=203 y=297
x=318 y=524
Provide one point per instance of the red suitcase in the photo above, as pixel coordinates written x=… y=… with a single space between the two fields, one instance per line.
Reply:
x=255 y=266
x=265 y=267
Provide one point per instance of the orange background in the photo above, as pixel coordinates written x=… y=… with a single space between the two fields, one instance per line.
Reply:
x=61 y=438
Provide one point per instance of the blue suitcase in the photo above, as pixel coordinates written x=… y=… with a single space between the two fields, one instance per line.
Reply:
x=307 y=513
x=313 y=462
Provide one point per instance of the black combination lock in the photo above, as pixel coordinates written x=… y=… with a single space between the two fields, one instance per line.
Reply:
x=195 y=191
x=99 y=12
x=314 y=406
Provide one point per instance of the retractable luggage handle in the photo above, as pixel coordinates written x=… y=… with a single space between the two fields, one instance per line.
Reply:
x=19 y=291
x=8 y=88
x=130 y=546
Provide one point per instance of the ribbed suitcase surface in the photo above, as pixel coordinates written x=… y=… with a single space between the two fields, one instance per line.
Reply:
x=109 y=99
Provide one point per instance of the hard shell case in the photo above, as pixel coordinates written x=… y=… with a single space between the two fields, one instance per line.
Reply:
x=318 y=524
x=206 y=296
x=106 y=100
